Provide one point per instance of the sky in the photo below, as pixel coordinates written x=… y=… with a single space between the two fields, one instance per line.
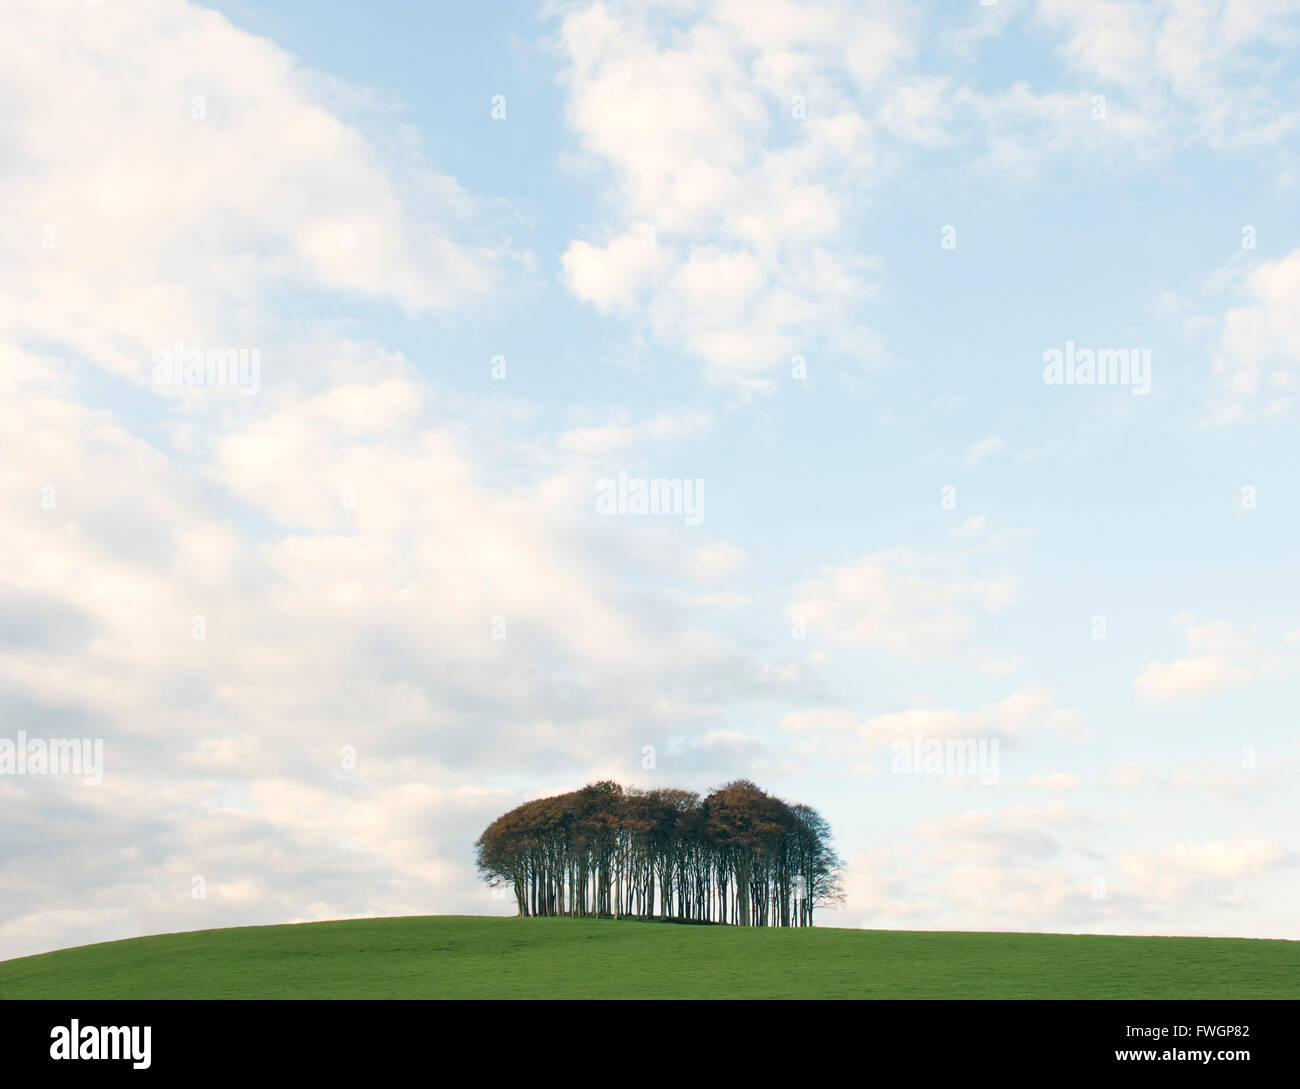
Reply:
x=810 y=273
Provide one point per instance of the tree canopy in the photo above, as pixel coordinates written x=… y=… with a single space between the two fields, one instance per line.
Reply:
x=737 y=855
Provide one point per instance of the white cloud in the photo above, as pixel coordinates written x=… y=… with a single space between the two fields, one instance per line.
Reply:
x=614 y=276
x=1055 y=781
x=824 y=719
x=151 y=200
x=737 y=141
x=978 y=451
x=1257 y=362
x=1008 y=719
x=1220 y=658
x=367 y=624
x=1203 y=69
x=916 y=607
x=1171 y=874
x=716 y=560
x=1015 y=832
x=349 y=537
x=618 y=431
x=1186 y=677
x=727 y=213
x=1041 y=867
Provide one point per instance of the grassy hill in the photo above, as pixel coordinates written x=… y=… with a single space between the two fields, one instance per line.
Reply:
x=459 y=956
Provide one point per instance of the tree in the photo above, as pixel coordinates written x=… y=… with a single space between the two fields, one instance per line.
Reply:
x=737 y=856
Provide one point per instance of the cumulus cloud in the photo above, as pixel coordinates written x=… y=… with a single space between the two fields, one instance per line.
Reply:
x=1257 y=360
x=1221 y=658
x=824 y=719
x=722 y=178
x=1169 y=874
x=1007 y=719
x=1184 y=63
x=1047 y=867
x=617 y=431
x=1187 y=677
x=161 y=201
x=390 y=604
x=295 y=620
x=1055 y=781
x=736 y=142
x=917 y=607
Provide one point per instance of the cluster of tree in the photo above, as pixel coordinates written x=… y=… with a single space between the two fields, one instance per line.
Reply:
x=736 y=856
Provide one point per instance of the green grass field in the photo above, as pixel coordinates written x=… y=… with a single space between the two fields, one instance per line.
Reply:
x=459 y=956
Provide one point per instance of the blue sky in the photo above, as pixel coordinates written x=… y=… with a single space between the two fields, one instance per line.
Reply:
x=708 y=242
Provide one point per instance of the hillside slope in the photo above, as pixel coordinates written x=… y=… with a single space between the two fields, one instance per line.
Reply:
x=452 y=956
